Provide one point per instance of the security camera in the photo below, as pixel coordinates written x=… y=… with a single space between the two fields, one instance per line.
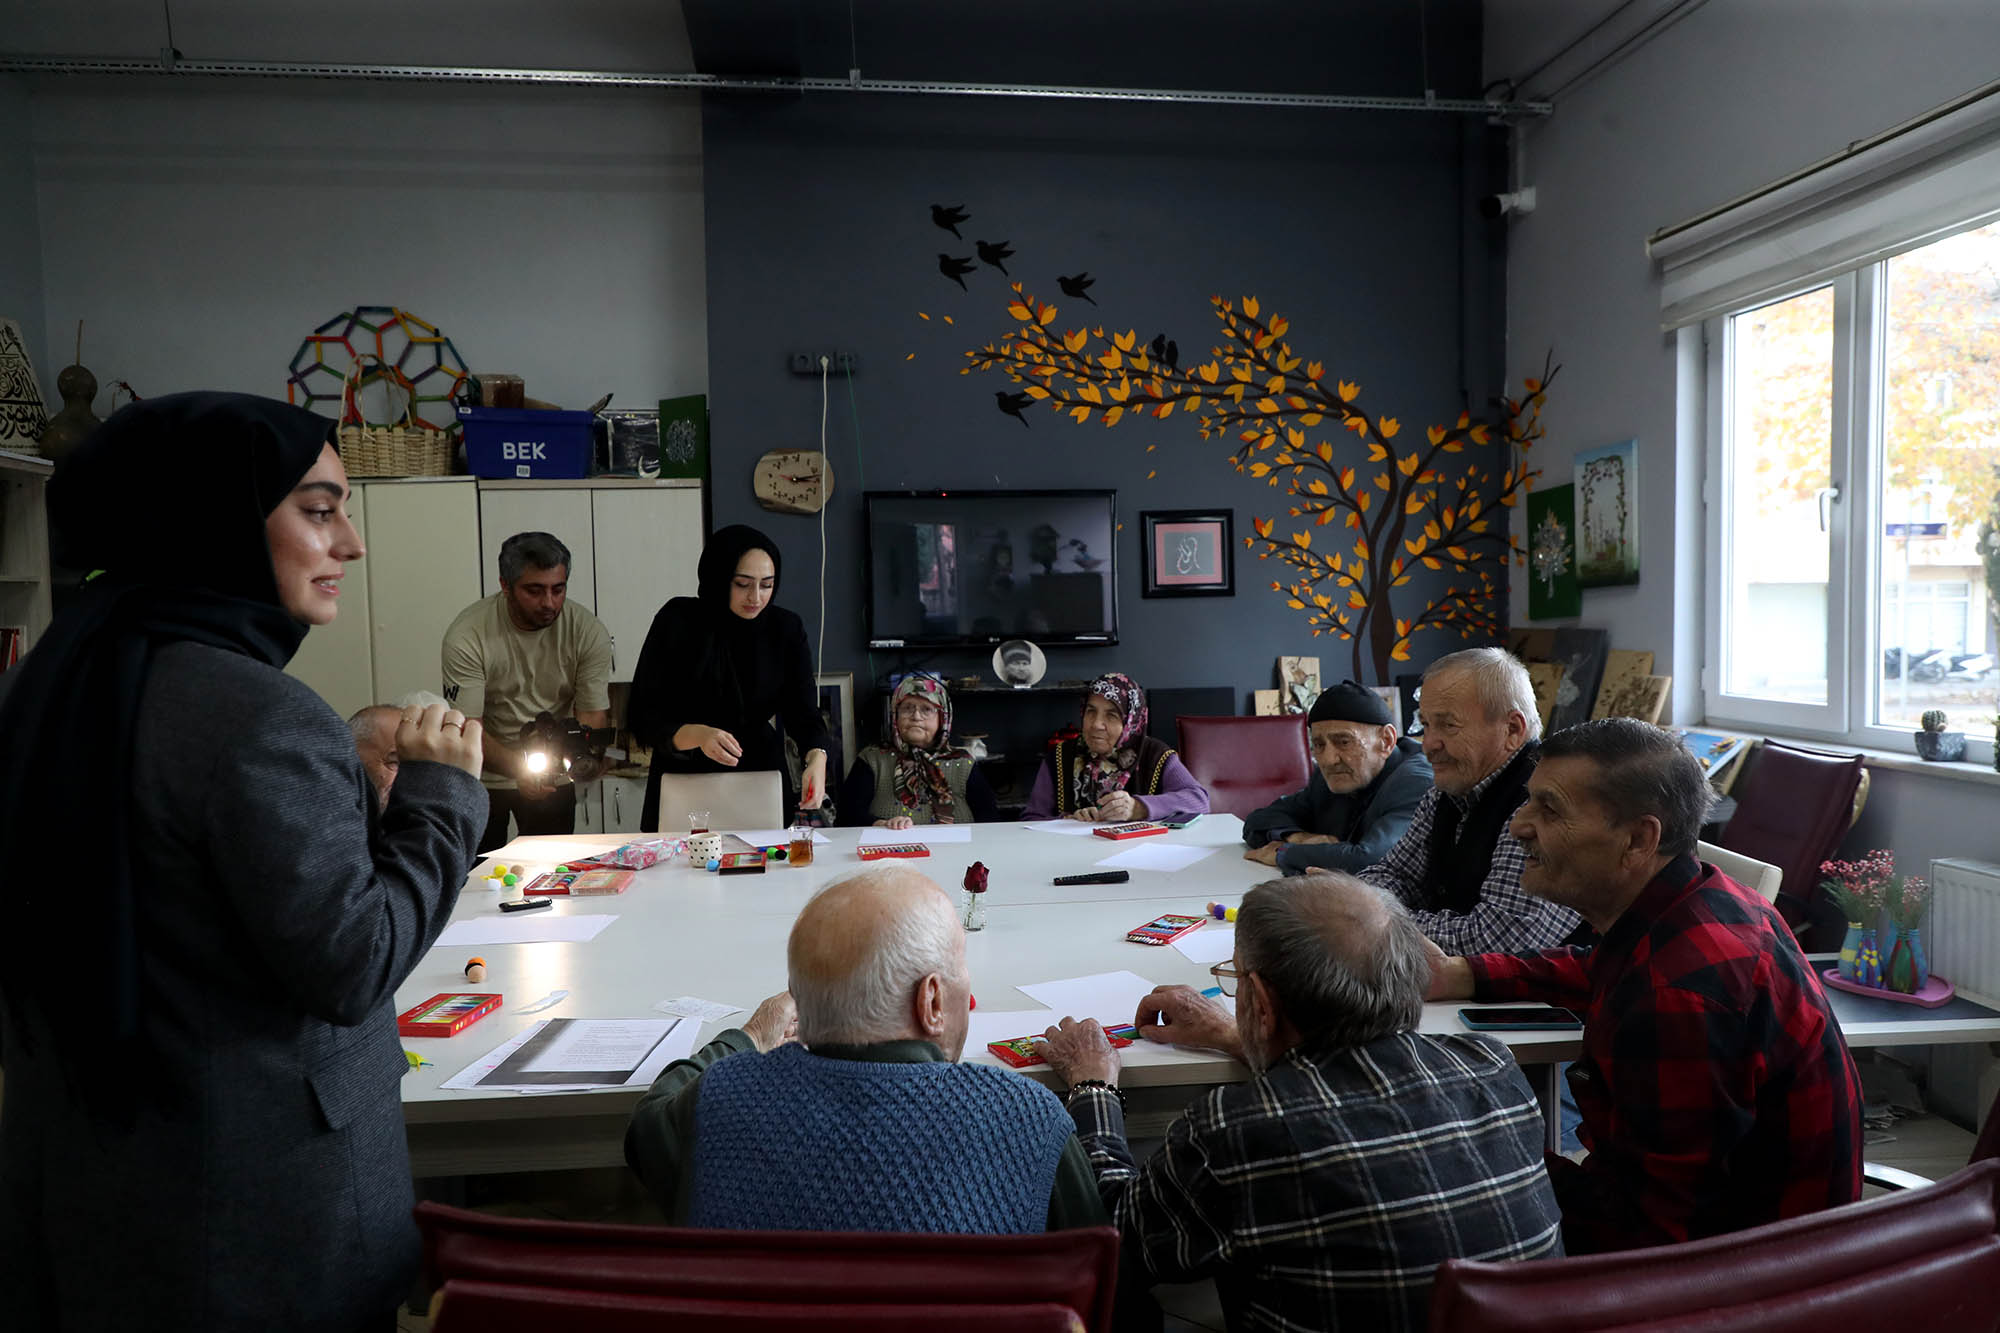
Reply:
x=1495 y=206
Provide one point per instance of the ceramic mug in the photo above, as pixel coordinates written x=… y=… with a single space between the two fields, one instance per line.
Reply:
x=704 y=847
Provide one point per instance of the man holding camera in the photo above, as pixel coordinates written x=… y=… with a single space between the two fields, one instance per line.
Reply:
x=525 y=651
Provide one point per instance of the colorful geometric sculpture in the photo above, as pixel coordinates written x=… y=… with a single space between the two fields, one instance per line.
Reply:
x=411 y=353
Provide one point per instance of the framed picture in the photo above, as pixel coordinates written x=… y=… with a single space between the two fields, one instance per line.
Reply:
x=1392 y=699
x=22 y=414
x=1607 y=515
x=1189 y=552
x=1552 y=590
x=1298 y=684
x=683 y=448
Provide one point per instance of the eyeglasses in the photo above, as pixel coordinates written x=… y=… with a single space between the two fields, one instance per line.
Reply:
x=1226 y=976
x=916 y=709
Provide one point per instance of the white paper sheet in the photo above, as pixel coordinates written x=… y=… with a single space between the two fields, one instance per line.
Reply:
x=678 y=1046
x=702 y=1011
x=987 y=1027
x=549 y=851
x=770 y=837
x=534 y=928
x=1152 y=855
x=924 y=833
x=1108 y=997
x=1069 y=828
x=604 y=1043
x=1213 y=943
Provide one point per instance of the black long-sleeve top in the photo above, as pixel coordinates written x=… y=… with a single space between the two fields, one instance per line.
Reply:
x=697 y=667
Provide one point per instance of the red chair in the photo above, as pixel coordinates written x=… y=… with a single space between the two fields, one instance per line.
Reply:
x=496 y=1273
x=1930 y=1258
x=1792 y=809
x=1246 y=762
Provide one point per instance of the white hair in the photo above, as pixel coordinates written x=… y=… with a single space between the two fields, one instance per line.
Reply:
x=870 y=1001
x=1499 y=682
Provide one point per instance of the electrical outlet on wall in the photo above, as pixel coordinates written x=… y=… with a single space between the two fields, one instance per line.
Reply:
x=837 y=363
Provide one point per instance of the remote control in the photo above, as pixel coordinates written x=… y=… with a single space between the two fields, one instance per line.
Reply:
x=526 y=904
x=1095 y=877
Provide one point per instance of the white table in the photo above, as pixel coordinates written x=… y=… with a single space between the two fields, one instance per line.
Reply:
x=682 y=931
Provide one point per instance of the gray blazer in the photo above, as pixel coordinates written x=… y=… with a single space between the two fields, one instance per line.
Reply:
x=278 y=914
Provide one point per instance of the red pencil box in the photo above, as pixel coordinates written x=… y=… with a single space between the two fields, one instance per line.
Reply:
x=580 y=883
x=446 y=1014
x=878 y=850
x=1164 y=929
x=1022 y=1052
x=1119 y=832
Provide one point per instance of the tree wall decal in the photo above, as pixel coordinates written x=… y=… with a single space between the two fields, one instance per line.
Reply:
x=1438 y=502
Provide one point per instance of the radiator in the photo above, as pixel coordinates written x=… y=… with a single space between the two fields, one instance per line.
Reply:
x=1963 y=937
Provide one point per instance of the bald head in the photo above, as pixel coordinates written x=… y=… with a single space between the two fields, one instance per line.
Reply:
x=1343 y=958
x=374 y=730
x=880 y=956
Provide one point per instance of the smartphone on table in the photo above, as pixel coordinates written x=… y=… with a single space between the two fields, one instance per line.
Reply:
x=1519 y=1017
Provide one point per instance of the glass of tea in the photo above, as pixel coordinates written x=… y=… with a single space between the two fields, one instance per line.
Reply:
x=697 y=822
x=800 y=853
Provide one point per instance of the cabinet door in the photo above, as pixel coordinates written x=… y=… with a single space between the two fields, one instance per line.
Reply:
x=565 y=513
x=623 y=798
x=335 y=659
x=589 y=808
x=648 y=542
x=423 y=553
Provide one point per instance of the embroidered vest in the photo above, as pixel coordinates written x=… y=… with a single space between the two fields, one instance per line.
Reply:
x=1148 y=771
x=1461 y=846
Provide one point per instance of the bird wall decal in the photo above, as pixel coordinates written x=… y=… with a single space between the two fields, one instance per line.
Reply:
x=956 y=269
x=949 y=216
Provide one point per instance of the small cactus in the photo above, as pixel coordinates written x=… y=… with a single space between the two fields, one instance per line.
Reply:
x=1933 y=720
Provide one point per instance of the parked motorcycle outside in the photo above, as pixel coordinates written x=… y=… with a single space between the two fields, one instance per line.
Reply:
x=1969 y=668
x=1926 y=668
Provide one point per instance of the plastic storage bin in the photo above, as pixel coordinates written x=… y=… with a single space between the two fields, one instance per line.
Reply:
x=506 y=442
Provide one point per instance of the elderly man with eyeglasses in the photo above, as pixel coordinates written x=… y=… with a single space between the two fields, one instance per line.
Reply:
x=1324 y=1192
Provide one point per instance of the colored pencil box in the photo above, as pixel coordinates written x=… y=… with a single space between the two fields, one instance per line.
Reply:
x=879 y=850
x=1164 y=929
x=446 y=1014
x=1023 y=1052
x=580 y=883
x=1119 y=832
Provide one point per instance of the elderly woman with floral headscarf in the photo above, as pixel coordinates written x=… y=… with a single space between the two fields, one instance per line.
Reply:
x=1113 y=771
x=916 y=776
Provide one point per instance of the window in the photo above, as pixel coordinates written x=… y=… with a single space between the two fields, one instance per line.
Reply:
x=1854 y=459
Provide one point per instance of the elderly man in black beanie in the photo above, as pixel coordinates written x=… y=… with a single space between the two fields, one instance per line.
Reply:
x=1364 y=790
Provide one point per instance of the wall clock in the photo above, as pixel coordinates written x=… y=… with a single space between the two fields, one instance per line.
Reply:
x=792 y=481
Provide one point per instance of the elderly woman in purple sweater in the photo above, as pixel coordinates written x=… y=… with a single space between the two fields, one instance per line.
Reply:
x=1114 y=771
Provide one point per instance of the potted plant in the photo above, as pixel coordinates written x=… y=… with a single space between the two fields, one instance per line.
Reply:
x=1908 y=968
x=1934 y=742
x=1856 y=888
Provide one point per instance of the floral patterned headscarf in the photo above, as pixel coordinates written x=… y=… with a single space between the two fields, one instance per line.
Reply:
x=920 y=779
x=1098 y=777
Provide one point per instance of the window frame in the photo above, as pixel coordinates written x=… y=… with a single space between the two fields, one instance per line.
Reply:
x=1858 y=473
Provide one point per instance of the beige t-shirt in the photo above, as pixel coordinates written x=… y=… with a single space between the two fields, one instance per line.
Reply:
x=505 y=676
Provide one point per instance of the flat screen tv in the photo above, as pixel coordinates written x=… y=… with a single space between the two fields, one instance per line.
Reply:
x=980 y=567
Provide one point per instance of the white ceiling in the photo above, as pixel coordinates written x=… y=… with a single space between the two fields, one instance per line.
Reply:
x=546 y=34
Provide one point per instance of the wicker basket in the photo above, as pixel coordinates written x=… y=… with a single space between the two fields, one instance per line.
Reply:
x=404 y=449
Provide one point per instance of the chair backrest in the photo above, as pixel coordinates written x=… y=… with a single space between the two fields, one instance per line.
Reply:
x=1792 y=808
x=493 y=1307
x=1931 y=1255
x=733 y=800
x=1747 y=871
x=1246 y=762
x=777 y=1270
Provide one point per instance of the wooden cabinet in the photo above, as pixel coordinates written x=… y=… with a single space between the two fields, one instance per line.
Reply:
x=623 y=798
x=420 y=571
x=24 y=545
x=633 y=545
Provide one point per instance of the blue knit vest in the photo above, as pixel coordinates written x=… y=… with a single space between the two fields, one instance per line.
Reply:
x=799 y=1142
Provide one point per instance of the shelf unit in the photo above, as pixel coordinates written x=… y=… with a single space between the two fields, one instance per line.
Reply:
x=24 y=543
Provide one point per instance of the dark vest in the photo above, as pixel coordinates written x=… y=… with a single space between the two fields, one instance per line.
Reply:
x=1461 y=850
x=1147 y=771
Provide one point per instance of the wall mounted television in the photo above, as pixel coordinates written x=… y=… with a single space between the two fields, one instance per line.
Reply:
x=967 y=568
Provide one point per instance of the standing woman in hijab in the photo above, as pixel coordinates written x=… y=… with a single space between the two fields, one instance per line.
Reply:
x=1113 y=771
x=916 y=776
x=717 y=666
x=201 y=1127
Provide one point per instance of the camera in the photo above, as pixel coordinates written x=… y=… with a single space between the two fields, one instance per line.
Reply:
x=1496 y=206
x=554 y=746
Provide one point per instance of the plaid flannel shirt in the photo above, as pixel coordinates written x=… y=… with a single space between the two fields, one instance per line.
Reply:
x=1505 y=919
x=1323 y=1193
x=1716 y=1090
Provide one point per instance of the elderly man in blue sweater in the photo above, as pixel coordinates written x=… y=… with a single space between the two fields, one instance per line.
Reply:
x=1365 y=788
x=840 y=1105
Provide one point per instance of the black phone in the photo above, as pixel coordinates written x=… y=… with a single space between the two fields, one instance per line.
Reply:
x=526 y=904
x=1518 y=1016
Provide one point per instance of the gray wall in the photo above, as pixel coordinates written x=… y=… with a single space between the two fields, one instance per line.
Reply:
x=21 y=233
x=1354 y=226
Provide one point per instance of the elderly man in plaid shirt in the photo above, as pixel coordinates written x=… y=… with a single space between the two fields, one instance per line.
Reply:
x=1716 y=1090
x=1457 y=868
x=1323 y=1193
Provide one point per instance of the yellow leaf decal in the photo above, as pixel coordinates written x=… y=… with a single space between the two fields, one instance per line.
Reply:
x=1401 y=652
x=1241 y=373
x=1209 y=373
x=1317 y=487
x=1407 y=466
x=1432 y=530
x=1276 y=384
x=949 y=320
x=1437 y=434
x=1075 y=339
x=1259 y=469
x=1480 y=434
x=1111 y=360
x=1431 y=563
x=1151 y=475
x=1349 y=391
x=913 y=356
x=1382 y=480
x=1080 y=414
x=1262 y=526
x=1356 y=600
x=1387 y=427
x=1019 y=311
x=1295 y=604
x=1089 y=394
x=1295 y=437
x=1111 y=419
x=1267 y=405
x=1125 y=341
x=1346 y=477
x=1250 y=309
x=1315 y=369
x=1361 y=501
x=1036 y=391
x=1279 y=324
x=1325 y=452
x=1164 y=410
x=1045 y=314
x=1414 y=545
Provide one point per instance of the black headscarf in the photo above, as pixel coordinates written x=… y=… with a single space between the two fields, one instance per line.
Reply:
x=719 y=558
x=168 y=499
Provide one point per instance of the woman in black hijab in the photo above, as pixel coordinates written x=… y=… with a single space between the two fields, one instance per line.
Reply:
x=718 y=665
x=201 y=1127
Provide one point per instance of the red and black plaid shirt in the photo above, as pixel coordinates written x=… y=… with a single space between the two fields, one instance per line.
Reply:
x=1716 y=1090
